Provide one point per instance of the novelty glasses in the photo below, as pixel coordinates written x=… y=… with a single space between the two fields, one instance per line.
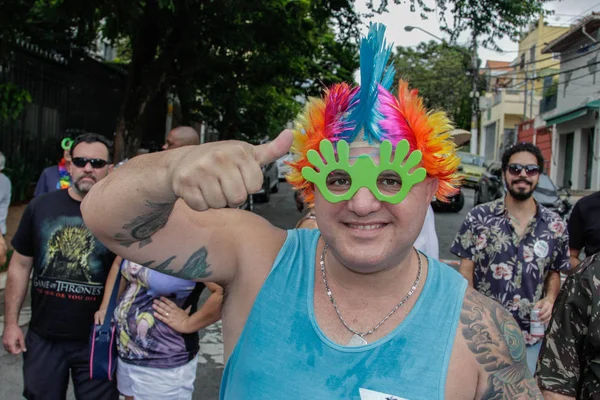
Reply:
x=338 y=180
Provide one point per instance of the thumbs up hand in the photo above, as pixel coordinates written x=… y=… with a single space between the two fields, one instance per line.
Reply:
x=220 y=174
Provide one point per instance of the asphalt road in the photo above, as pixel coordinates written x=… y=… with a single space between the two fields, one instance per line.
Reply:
x=281 y=211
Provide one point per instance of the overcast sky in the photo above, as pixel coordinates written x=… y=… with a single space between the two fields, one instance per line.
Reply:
x=566 y=12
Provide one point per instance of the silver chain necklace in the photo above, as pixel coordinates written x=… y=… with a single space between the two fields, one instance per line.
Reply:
x=358 y=337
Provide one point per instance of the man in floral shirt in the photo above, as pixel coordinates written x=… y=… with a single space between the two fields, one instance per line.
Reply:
x=513 y=249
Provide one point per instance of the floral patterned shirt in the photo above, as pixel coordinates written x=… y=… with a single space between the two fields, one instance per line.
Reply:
x=508 y=268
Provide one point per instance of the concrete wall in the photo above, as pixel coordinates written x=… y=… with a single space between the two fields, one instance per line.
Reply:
x=537 y=37
x=580 y=128
x=577 y=88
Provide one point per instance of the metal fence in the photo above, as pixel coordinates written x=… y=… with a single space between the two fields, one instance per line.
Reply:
x=70 y=94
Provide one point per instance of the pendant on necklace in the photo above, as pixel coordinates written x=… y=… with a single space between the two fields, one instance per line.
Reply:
x=356 y=341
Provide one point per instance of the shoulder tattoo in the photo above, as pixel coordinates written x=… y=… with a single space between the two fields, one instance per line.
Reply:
x=497 y=342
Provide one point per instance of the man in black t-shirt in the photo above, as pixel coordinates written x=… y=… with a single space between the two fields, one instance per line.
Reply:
x=69 y=267
x=584 y=227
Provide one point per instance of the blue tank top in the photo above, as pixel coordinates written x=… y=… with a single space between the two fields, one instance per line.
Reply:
x=283 y=354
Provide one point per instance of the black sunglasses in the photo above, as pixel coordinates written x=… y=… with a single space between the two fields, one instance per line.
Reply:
x=95 y=162
x=530 y=169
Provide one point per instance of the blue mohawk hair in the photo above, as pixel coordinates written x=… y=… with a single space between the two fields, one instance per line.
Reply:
x=374 y=55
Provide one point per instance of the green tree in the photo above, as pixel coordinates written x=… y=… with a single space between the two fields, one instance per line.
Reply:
x=486 y=20
x=238 y=65
x=441 y=73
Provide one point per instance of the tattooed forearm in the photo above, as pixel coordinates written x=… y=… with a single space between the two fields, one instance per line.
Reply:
x=141 y=228
x=196 y=267
x=496 y=340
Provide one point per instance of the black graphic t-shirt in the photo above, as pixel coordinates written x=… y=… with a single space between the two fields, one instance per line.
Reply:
x=70 y=266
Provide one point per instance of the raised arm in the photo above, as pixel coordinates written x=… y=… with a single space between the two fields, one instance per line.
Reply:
x=497 y=344
x=166 y=210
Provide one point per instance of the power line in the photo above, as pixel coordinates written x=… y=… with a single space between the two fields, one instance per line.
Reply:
x=583 y=12
x=540 y=60
x=557 y=73
x=558 y=84
x=546 y=35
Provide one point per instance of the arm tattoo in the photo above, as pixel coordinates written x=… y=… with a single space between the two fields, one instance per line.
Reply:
x=195 y=267
x=162 y=267
x=141 y=228
x=497 y=342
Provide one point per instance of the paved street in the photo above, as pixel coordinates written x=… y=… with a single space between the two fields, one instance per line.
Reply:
x=282 y=212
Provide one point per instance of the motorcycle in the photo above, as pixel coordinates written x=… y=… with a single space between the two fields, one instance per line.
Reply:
x=564 y=205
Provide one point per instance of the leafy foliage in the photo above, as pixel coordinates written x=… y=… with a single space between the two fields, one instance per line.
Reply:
x=237 y=65
x=21 y=172
x=12 y=101
x=490 y=20
x=440 y=72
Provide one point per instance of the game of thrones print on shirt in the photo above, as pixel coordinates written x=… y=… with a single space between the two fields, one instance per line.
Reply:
x=70 y=268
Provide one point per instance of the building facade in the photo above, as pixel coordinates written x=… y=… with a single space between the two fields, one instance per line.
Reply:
x=517 y=90
x=574 y=121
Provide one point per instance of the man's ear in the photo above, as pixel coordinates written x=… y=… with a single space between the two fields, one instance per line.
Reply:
x=432 y=186
x=111 y=168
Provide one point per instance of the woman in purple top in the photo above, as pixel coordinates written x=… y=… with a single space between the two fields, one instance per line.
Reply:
x=157 y=327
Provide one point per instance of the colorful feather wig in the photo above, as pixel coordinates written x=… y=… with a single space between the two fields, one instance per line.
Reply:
x=64 y=178
x=372 y=114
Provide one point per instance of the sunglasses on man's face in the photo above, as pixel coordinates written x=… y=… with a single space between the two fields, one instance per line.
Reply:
x=96 y=163
x=530 y=169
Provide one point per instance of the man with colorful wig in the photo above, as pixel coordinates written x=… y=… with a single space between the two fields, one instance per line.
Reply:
x=56 y=177
x=349 y=311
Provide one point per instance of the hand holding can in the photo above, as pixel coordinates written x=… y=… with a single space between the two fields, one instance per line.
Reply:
x=536 y=327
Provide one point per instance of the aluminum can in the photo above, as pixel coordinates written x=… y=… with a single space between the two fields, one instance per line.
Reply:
x=536 y=327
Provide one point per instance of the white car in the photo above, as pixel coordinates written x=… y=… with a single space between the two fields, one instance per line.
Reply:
x=283 y=167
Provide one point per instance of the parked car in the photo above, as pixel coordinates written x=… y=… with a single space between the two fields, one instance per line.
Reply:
x=491 y=187
x=270 y=180
x=282 y=167
x=455 y=204
x=472 y=167
x=248 y=204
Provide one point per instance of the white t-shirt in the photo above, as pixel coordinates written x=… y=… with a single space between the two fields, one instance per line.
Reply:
x=427 y=242
x=5 y=193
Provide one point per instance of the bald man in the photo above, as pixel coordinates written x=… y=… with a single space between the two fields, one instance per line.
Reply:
x=181 y=136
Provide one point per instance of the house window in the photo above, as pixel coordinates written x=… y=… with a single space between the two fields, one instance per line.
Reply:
x=522 y=62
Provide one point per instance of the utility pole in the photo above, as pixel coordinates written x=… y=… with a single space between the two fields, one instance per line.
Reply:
x=525 y=94
x=532 y=75
x=475 y=96
x=473 y=148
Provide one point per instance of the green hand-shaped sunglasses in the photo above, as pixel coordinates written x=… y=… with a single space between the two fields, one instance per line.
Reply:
x=338 y=180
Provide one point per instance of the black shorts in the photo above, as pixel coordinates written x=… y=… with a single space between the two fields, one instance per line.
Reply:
x=46 y=368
